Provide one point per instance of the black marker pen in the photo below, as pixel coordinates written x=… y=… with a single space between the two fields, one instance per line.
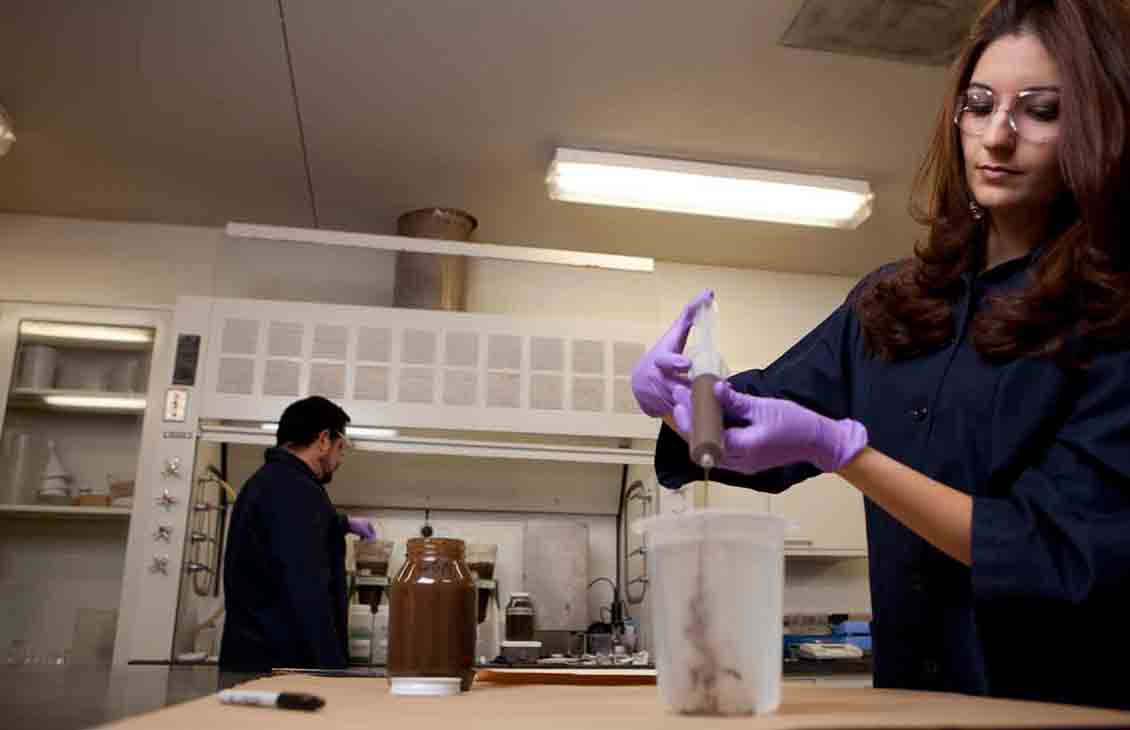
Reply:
x=283 y=700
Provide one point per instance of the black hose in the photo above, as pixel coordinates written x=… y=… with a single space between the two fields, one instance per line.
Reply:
x=619 y=530
x=222 y=522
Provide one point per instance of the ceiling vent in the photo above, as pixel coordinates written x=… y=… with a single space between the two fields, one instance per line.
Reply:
x=924 y=32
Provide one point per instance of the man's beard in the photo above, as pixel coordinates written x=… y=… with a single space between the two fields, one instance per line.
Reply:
x=327 y=475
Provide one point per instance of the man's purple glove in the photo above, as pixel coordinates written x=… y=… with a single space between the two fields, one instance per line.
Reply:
x=362 y=528
x=777 y=432
x=663 y=366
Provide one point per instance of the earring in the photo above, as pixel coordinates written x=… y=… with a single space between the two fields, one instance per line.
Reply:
x=976 y=210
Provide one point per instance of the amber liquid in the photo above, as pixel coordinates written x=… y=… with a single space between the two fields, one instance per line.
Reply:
x=371 y=595
x=485 y=571
x=519 y=627
x=706 y=438
x=432 y=625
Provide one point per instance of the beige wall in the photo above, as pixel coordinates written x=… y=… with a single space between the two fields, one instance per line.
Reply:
x=140 y=264
x=90 y=262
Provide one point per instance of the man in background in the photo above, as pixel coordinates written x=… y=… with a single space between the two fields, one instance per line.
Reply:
x=284 y=572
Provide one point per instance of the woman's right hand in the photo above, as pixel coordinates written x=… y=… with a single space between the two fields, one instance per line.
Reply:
x=664 y=366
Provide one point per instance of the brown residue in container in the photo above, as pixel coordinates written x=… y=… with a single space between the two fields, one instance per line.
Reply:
x=708 y=696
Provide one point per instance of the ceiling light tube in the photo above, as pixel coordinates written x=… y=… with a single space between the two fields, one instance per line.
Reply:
x=94 y=401
x=357 y=432
x=88 y=332
x=726 y=191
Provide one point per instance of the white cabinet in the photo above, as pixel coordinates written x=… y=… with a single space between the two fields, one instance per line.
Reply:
x=828 y=516
x=825 y=512
x=724 y=496
x=73 y=395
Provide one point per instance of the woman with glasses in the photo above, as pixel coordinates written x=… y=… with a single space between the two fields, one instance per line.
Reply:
x=977 y=393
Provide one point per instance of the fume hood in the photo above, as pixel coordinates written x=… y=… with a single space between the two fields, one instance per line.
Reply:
x=545 y=400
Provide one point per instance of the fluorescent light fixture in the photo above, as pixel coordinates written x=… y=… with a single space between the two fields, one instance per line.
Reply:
x=726 y=191
x=363 y=432
x=88 y=332
x=358 y=432
x=7 y=135
x=95 y=401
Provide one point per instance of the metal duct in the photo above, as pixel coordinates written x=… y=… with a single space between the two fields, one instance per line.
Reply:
x=433 y=281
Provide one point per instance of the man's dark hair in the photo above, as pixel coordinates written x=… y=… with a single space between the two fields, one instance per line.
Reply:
x=303 y=420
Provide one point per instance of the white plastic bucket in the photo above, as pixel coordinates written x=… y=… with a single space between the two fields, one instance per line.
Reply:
x=716 y=609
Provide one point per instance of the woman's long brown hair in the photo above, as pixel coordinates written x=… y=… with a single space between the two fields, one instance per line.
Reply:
x=1080 y=288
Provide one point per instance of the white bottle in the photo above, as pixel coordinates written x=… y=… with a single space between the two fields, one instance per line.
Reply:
x=380 y=635
x=360 y=633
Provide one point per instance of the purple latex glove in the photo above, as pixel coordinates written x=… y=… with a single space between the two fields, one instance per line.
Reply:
x=663 y=366
x=362 y=528
x=778 y=432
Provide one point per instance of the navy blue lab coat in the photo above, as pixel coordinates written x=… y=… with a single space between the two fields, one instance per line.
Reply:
x=284 y=572
x=1045 y=454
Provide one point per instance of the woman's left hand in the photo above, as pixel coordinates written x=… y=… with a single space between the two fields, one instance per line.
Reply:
x=775 y=432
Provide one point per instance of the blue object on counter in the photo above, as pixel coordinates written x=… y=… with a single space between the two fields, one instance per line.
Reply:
x=853 y=628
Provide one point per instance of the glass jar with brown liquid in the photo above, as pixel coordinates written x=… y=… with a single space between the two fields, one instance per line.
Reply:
x=432 y=613
x=521 y=619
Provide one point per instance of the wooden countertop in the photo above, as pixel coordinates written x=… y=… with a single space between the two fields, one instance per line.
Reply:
x=365 y=704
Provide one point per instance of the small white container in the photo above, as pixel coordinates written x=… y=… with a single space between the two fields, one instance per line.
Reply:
x=360 y=633
x=718 y=579
x=425 y=686
x=380 y=635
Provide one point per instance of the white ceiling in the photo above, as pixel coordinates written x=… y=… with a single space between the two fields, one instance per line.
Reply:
x=182 y=111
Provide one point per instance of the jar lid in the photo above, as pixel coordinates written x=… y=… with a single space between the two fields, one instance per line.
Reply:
x=425 y=686
x=518 y=594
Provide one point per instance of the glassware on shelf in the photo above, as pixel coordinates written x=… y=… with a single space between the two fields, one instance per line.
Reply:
x=36 y=367
x=53 y=489
x=23 y=459
x=17 y=652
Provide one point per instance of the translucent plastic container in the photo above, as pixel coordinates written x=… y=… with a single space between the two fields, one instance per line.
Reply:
x=718 y=579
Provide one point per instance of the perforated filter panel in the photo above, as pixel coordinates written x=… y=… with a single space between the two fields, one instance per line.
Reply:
x=426 y=369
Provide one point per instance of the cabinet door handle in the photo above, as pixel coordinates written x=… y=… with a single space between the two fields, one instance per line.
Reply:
x=797 y=542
